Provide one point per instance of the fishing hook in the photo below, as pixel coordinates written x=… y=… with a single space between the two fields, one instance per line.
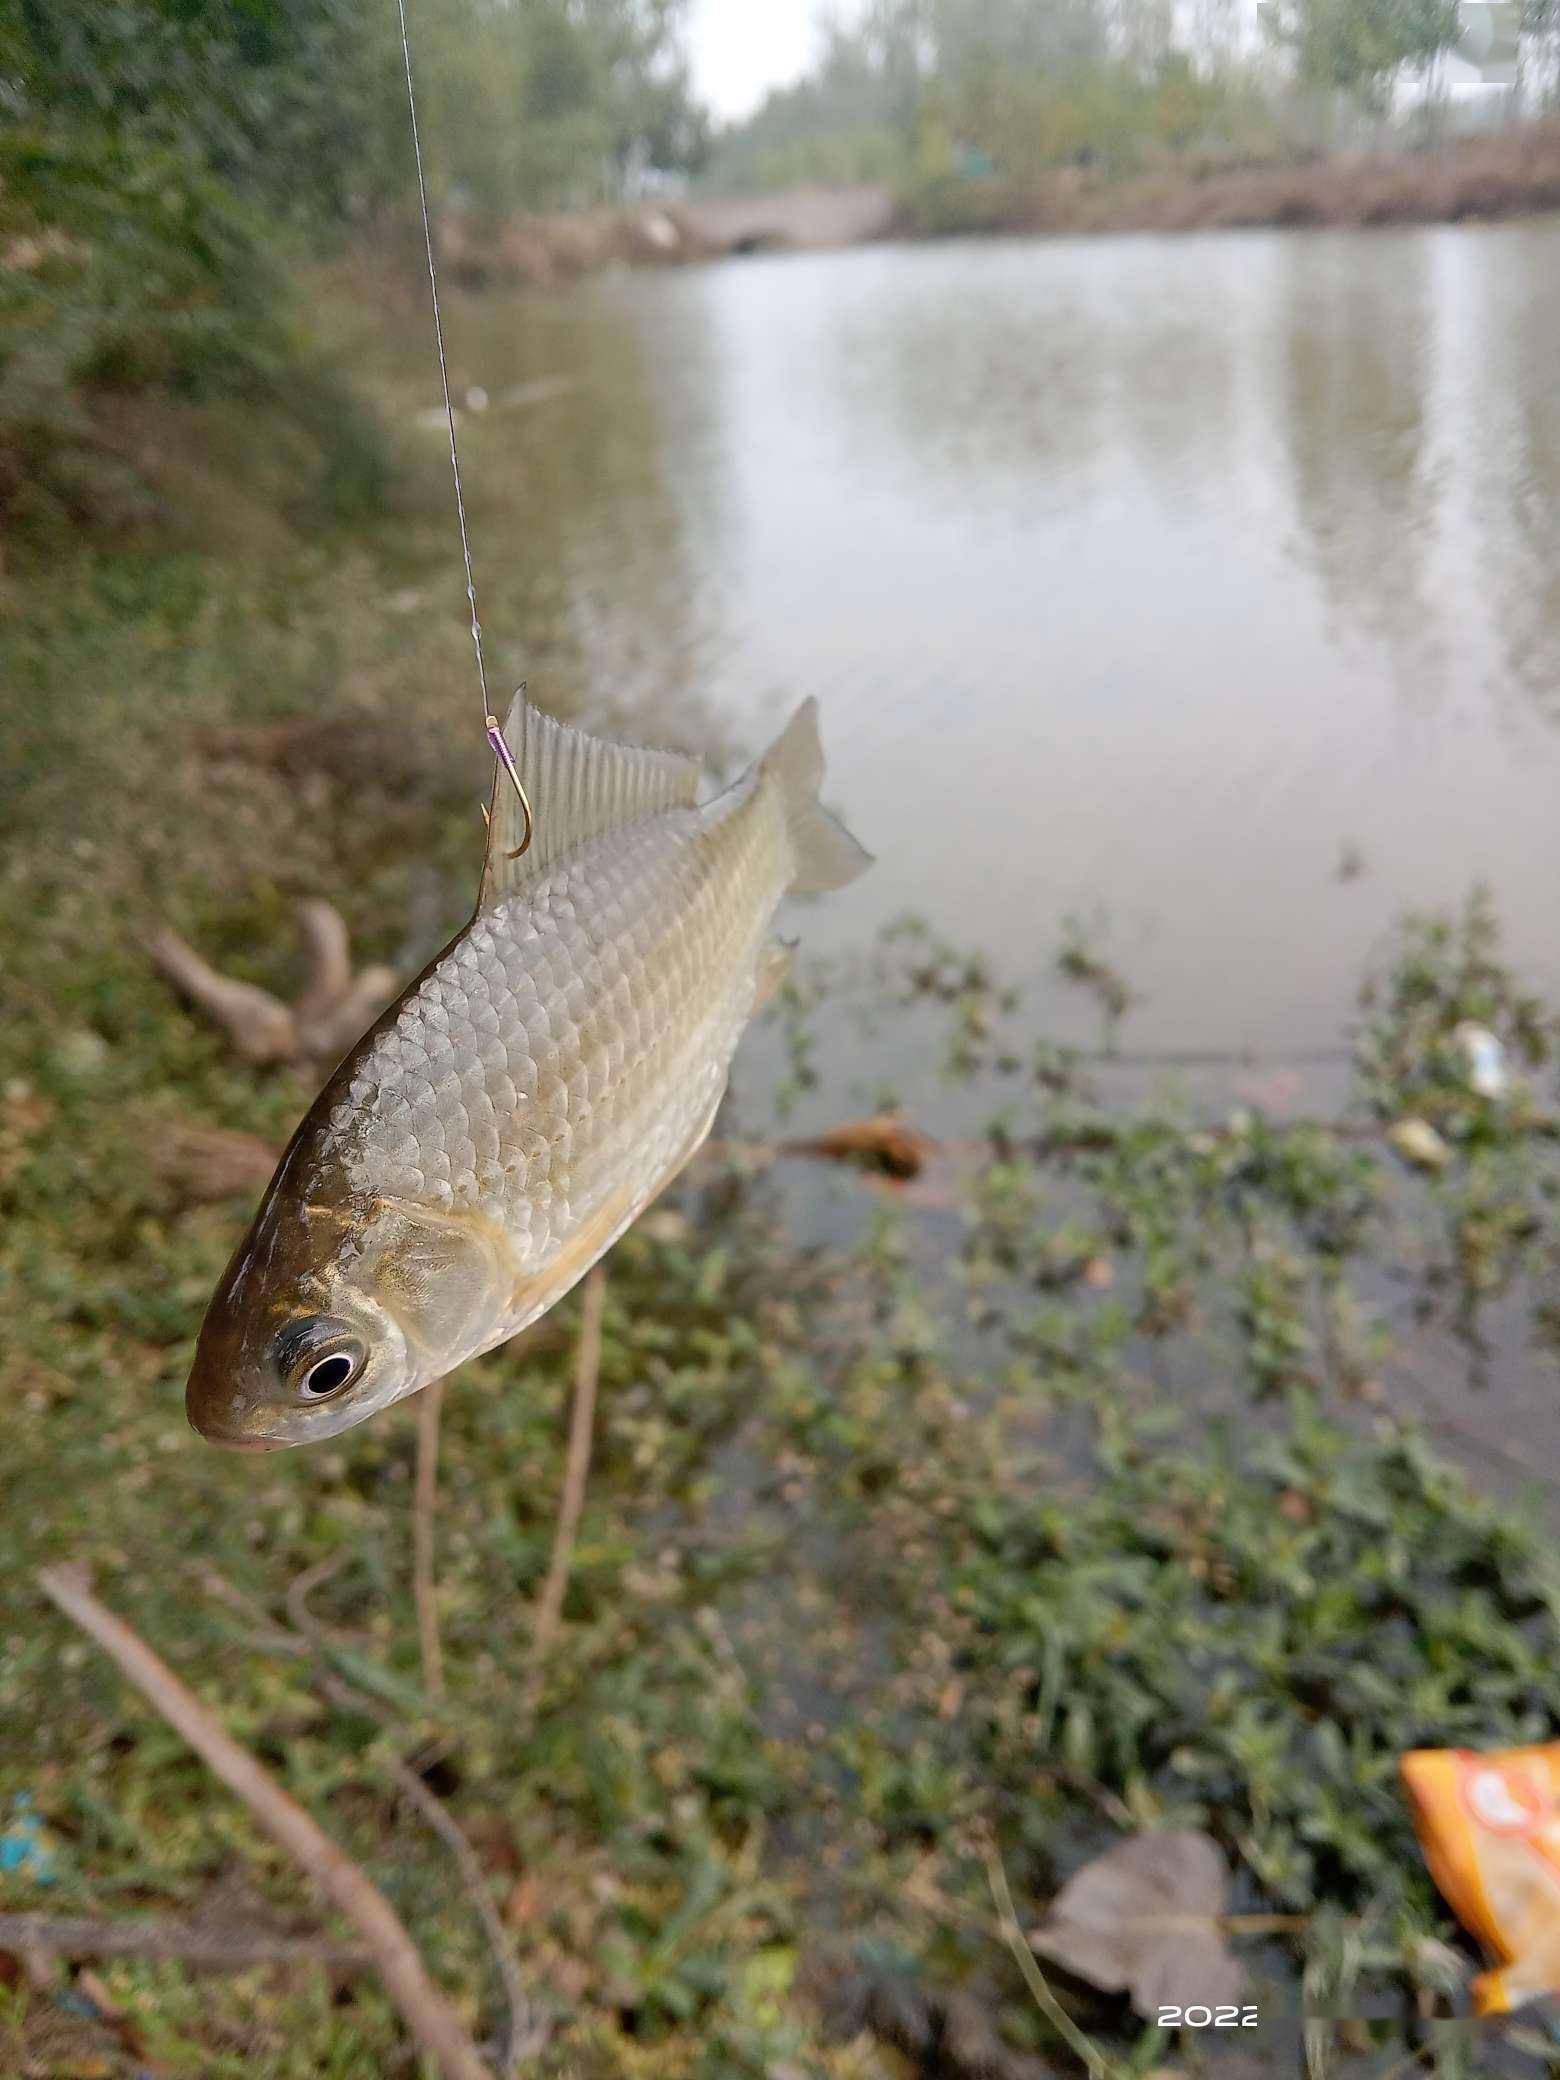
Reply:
x=506 y=758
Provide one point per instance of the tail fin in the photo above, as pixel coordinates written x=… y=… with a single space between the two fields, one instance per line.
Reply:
x=826 y=854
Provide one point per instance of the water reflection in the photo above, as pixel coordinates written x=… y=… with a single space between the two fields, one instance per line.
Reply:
x=979 y=389
x=586 y=576
x=1140 y=578
x=1519 y=458
x=1035 y=383
x=1356 y=339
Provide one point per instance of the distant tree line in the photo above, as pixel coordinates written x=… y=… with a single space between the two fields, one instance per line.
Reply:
x=922 y=90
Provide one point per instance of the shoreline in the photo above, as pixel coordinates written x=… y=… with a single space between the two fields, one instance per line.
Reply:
x=1514 y=173
x=1467 y=179
x=1484 y=179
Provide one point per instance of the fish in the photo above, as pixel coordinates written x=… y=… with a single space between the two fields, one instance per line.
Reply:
x=531 y=1092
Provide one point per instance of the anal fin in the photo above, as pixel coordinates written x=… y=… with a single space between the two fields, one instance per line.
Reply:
x=774 y=965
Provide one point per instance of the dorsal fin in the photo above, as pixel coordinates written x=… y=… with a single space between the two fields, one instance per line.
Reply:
x=580 y=788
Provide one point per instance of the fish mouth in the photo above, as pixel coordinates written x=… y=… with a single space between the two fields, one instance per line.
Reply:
x=230 y=1436
x=236 y=1443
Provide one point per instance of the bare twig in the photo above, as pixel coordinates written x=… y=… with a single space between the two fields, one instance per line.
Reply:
x=427 y=2014
x=549 y=1605
x=271 y=1634
x=230 y=1947
x=302 y=1587
x=527 y=2031
x=1094 y=2060
x=424 y=1504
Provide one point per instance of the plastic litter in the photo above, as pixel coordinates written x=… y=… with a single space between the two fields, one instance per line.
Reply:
x=1488 y=1073
x=1489 y=1826
x=25 y=1846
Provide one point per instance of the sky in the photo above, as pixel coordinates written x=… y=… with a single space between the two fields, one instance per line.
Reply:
x=742 y=48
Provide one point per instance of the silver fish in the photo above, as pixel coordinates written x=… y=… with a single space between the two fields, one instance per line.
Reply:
x=530 y=1093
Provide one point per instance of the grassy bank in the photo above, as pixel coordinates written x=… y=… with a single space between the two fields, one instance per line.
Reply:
x=1513 y=174
x=1079 y=1489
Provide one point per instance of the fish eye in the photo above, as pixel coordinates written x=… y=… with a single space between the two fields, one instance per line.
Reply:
x=329 y=1375
x=318 y=1358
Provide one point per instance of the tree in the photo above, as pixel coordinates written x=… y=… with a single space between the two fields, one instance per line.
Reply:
x=1359 y=47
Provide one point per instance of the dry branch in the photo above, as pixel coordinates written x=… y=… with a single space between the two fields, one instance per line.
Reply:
x=1082 y=2048
x=425 y=1501
x=259 y=1025
x=203 y=1164
x=226 y=1948
x=427 y=2014
x=549 y=1605
x=527 y=2031
x=333 y=1010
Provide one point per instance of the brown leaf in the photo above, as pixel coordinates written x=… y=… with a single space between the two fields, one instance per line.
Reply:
x=1143 y=1919
x=524 y=1903
x=883 y=1144
x=493 y=1838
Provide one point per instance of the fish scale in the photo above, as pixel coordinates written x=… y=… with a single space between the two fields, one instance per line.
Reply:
x=570 y=998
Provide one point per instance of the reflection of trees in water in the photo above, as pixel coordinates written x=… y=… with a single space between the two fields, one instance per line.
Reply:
x=973 y=385
x=1354 y=357
x=1173 y=369
x=1020 y=375
x=1518 y=455
x=583 y=562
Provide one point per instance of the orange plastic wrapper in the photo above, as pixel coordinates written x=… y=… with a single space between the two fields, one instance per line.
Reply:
x=1489 y=1826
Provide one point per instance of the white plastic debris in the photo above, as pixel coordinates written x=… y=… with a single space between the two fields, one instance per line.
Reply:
x=1486 y=1059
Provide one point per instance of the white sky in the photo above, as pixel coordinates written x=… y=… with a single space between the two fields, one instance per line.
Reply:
x=742 y=48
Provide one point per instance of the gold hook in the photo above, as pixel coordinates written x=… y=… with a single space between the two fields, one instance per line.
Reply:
x=506 y=758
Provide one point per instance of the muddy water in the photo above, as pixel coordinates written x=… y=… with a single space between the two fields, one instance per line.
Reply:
x=1207 y=589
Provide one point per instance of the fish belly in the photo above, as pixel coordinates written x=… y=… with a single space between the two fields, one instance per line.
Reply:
x=568 y=1051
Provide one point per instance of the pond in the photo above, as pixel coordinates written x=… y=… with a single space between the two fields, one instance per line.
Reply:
x=1204 y=589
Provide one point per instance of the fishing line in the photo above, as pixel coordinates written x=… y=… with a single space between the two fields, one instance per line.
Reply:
x=492 y=727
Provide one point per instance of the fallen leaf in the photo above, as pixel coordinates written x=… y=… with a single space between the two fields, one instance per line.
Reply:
x=884 y=1144
x=1143 y=1919
x=490 y=1834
